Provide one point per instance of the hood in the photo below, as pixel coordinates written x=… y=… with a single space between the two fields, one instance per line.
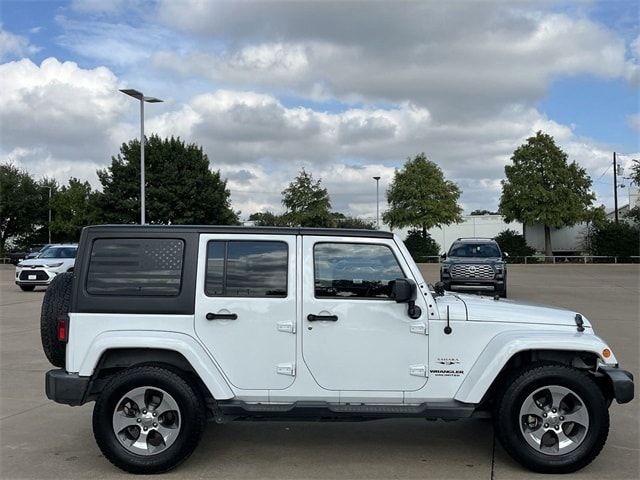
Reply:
x=35 y=262
x=479 y=308
x=467 y=260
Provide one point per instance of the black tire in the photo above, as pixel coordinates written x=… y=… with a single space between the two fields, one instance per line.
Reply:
x=193 y=419
x=27 y=288
x=520 y=386
x=56 y=303
x=503 y=292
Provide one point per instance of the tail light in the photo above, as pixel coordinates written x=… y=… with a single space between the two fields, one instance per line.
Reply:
x=63 y=329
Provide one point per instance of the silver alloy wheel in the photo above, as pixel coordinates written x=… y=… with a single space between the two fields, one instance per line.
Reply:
x=146 y=420
x=554 y=420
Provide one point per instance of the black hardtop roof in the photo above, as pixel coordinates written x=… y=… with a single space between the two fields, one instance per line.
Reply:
x=235 y=229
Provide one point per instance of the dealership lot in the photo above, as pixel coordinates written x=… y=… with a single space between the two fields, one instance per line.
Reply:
x=41 y=439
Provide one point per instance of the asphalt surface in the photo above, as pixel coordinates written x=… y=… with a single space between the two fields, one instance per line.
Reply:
x=41 y=439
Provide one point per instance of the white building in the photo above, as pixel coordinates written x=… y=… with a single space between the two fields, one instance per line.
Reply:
x=487 y=226
x=565 y=240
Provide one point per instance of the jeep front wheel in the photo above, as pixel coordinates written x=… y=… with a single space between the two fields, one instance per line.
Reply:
x=552 y=419
x=148 y=420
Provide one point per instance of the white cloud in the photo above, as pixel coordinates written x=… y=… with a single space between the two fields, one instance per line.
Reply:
x=12 y=45
x=457 y=80
x=261 y=144
x=455 y=58
x=59 y=109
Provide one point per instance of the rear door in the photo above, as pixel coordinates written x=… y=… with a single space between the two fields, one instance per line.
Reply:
x=246 y=307
x=355 y=338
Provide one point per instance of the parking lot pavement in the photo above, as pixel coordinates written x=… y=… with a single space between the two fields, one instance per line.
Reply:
x=41 y=439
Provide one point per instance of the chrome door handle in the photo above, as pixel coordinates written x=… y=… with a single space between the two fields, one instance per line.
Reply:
x=221 y=316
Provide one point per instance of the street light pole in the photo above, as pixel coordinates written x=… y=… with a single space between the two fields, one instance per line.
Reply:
x=377 y=179
x=615 y=187
x=140 y=96
x=142 y=142
x=49 y=225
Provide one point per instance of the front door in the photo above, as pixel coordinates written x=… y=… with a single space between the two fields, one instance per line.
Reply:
x=355 y=337
x=246 y=307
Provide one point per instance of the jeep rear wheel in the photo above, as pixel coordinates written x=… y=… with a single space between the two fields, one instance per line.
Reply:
x=552 y=419
x=55 y=304
x=148 y=420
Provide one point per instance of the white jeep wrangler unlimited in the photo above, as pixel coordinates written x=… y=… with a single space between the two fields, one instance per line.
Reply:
x=167 y=327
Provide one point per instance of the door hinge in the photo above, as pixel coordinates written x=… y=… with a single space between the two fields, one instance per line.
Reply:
x=418 y=370
x=286 y=369
x=289 y=327
x=420 y=328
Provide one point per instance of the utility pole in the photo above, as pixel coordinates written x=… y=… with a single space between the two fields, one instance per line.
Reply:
x=615 y=187
x=377 y=179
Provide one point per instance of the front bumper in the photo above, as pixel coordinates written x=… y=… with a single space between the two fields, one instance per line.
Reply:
x=621 y=382
x=67 y=388
x=496 y=284
x=39 y=276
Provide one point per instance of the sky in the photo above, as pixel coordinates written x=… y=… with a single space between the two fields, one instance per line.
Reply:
x=346 y=90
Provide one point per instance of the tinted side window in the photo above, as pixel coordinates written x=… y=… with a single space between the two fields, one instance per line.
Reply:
x=349 y=270
x=246 y=269
x=137 y=266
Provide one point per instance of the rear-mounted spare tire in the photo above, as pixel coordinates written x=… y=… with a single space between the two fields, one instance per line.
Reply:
x=55 y=305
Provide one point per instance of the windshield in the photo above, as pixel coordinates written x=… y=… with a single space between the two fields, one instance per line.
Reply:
x=478 y=250
x=60 y=252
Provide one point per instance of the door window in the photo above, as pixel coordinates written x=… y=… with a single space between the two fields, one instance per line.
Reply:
x=246 y=269
x=354 y=270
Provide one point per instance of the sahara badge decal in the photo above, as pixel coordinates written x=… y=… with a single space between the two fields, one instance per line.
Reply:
x=447 y=362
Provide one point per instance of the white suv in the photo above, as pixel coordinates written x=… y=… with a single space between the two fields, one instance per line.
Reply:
x=39 y=271
x=167 y=327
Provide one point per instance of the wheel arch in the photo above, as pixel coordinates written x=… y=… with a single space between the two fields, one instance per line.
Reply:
x=114 y=351
x=512 y=350
x=117 y=359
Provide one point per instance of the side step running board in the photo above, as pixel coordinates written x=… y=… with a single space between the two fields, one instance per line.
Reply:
x=239 y=410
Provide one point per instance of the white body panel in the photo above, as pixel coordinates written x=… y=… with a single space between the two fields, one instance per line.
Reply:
x=371 y=347
x=369 y=355
x=252 y=348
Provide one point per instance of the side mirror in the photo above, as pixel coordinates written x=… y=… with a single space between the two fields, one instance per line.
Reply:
x=405 y=290
x=439 y=288
x=443 y=256
x=505 y=254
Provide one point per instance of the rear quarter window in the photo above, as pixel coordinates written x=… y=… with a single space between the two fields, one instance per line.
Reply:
x=135 y=267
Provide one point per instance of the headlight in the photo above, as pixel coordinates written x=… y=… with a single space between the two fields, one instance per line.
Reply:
x=19 y=264
x=445 y=268
x=54 y=265
x=499 y=267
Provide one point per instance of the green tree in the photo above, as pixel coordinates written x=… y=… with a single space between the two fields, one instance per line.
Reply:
x=615 y=239
x=346 y=221
x=634 y=213
x=23 y=206
x=180 y=187
x=420 y=197
x=74 y=207
x=542 y=187
x=307 y=202
x=268 y=219
x=421 y=247
x=483 y=212
x=635 y=172
x=514 y=244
